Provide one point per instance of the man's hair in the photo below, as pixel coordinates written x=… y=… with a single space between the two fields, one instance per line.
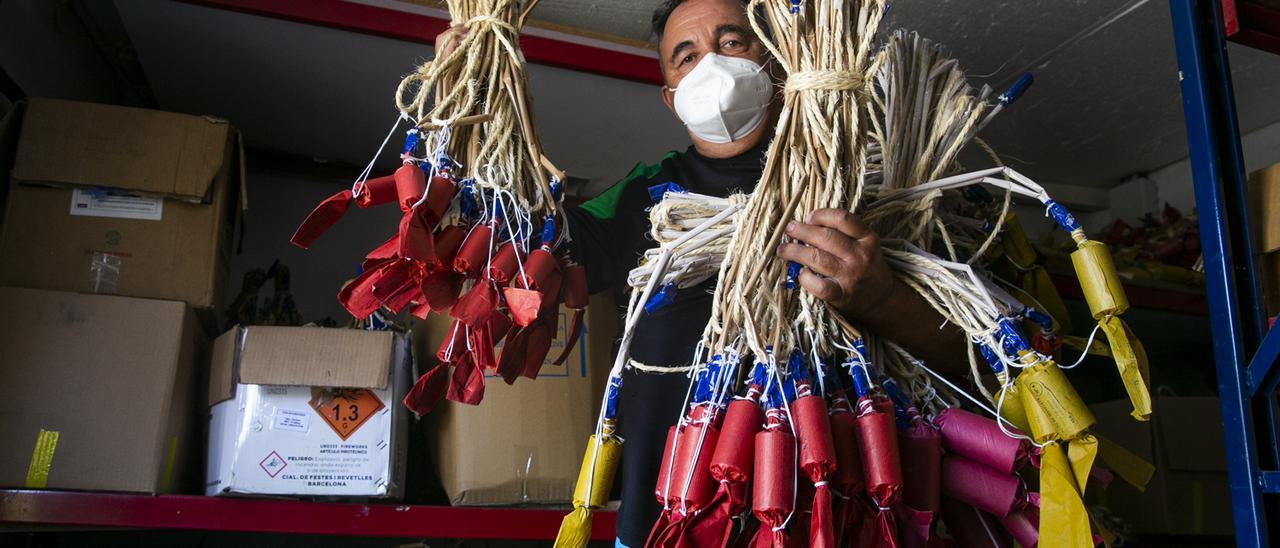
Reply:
x=663 y=13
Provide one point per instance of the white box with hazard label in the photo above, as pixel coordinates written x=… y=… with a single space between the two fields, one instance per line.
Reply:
x=308 y=411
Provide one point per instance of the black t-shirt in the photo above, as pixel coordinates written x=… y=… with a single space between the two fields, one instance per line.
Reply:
x=610 y=234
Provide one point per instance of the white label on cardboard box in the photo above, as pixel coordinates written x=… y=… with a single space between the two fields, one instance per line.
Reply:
x=288 y=419
x=90 y=203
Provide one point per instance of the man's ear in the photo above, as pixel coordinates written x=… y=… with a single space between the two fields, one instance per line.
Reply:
x=669 y=99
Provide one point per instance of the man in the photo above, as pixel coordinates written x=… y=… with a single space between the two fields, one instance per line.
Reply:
x=715 y=68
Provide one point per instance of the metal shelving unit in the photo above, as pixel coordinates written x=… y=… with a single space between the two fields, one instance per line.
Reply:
x=1245 y=354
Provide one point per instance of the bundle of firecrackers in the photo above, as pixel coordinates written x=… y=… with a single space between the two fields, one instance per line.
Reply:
x=465 y=252
x=845 y=459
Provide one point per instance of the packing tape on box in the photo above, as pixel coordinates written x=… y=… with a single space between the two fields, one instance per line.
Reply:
x=167 y=484
x=42 y=459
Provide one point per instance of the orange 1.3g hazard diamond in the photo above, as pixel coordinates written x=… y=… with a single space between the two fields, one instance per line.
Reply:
x=344 y=409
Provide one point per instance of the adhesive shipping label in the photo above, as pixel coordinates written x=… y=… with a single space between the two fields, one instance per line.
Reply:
x=295 y=421
x=98 y=203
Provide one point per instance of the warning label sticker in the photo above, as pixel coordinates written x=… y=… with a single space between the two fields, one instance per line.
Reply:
x=273 y=464
x=344 y=409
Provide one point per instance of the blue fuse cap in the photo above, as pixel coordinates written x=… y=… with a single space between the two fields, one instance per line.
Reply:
x=793 y=274
x=656 y=192
x=1061 y=216
x=663 y=297
x=1018 y=88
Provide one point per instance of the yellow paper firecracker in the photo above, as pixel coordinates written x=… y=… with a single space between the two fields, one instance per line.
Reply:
x=1054 y=410
x=1106 y=298
x=1063 y=519
x=595 y=479
x=1020 y=267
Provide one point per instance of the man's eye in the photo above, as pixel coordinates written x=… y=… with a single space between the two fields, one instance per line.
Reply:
x=687 y=59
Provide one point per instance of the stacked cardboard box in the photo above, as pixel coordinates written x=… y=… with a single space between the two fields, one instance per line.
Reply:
x=523 y=444
x=99 y=392
x=1264 y=187
x=1188 y=492
x=125 y=201
x=308 y=411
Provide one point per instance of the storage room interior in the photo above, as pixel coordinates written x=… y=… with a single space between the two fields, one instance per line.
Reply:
x=300 y=97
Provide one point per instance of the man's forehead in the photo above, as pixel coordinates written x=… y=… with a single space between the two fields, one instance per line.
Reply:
x=694 y=17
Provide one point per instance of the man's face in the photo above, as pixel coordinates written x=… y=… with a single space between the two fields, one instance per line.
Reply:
x=698 y=27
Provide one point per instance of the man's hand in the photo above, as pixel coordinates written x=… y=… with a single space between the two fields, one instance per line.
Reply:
x=842 y=262
x=448 y=40
x=843 y=266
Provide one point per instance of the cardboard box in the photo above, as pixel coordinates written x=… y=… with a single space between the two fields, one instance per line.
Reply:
x=308 y=411
x=134 y=202
x=524 y=443
x=1188 y=493
x=109 y=381
x=1264 y=202
x=1264 y=185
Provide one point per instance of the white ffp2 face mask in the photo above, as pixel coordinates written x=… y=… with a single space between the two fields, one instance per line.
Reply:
x=723 y=98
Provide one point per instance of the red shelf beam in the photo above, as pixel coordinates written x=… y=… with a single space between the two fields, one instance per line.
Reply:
x=1251 y=24
x=82 y=509
x=416 y=27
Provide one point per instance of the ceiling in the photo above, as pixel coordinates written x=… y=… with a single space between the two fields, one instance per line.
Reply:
x=1106 y=103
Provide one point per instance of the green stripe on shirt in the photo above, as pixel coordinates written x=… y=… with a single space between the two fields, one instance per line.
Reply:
x=605 y=205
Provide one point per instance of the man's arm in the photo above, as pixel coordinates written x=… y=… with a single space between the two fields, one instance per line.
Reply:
x=843 y=266
x=607 y=230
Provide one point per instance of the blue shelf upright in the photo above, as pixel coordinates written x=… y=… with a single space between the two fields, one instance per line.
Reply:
x=1244 y=353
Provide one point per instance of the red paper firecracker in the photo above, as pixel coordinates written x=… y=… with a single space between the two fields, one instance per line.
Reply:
x=1024 y=525
x=505 y=264
x=972 y=483
x=448 y=241
x=921 y=450
x=980 y=439
x=428 y=390
x=474 y=253
x=411 y=184
x=476 y=305
x=373 y=192
x=731 y=466
x=440 y=194
x=851 y=506
x=773 y=493
x=691 y=488
x=467 y=383
x=377 y=191
x=324 y=216
x=576 y=299
x=539 y=270
x=664 y=486
x=883 y=473
x=818 y=461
